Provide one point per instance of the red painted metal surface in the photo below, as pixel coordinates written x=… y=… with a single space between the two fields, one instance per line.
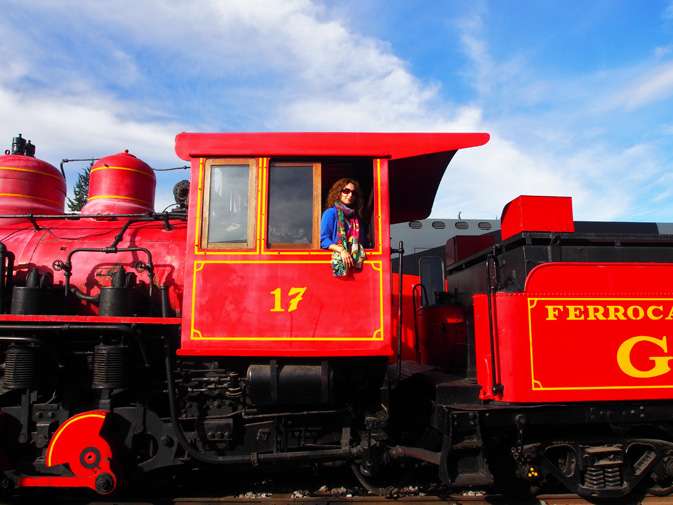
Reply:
x=30 y=186
x=79 y=444
x=409 y=350
x=171 y=321
x=57 y=238
x=442 y=336
x=416 y=161
x=463 y=246
x=580 y=332
x=120 y=184
x=289 y=307
x=375 y=145
x=537 y=213
x=270 y=302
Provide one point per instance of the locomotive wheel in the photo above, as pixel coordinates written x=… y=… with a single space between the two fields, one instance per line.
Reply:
x=659 y=488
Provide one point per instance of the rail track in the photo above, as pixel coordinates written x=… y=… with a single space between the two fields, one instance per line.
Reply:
x=463 y=499
x=329 y=486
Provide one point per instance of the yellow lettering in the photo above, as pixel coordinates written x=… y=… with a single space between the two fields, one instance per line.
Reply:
x=650 y=312
x=596 y=312
x=553 y=311
x=608 y=312
x=278 y=300
x=635 y=312
x=295 y=301
x=616 y=312
x=660 y=362
x=575 y=313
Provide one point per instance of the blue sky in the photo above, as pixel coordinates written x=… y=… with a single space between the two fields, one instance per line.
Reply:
x=577 y=96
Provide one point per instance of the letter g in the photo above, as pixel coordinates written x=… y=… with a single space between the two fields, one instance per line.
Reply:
x=660 y=362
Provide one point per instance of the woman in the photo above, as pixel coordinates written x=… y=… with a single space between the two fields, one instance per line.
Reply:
x=340 y=230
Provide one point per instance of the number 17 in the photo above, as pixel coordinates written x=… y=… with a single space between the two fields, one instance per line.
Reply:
x=293 y=302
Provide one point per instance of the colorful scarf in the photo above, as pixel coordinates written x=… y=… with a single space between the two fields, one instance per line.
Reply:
x=349 y=240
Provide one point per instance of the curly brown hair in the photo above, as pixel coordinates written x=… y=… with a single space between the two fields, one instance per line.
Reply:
x=334 y=196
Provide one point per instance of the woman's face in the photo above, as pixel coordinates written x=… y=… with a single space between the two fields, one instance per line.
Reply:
x=348 y=194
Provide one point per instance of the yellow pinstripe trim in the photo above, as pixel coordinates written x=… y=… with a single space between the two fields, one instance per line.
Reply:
x=378 y=217
x=536 y=385
x=154 y=178
x=377 y=336
x=261 y=215
x=378 y=266
x=58 y=204
x=59 y=177
x=119 y=197
x=52 y=444
x=197 y=234
x=261 y=224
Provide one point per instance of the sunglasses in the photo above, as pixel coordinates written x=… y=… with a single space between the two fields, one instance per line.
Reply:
x=348 y=191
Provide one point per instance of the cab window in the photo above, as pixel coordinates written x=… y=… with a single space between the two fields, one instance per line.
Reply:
x=297 y=191
x=361 y=171
x=294 y=206
x=228 y=222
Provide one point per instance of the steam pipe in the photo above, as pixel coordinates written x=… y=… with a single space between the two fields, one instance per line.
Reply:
x=67 y=266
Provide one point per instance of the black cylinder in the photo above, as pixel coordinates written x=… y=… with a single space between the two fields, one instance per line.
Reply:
x=19 y=145
x=289 y=384
x=181 y=193
x=118 y=302
x=110 y=367
x=34 y=301
x=36 y=297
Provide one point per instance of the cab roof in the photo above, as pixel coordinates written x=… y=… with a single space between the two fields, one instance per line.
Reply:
x=417 y=161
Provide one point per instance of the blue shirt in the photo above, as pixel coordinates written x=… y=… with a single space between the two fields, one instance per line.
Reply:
x=329 y=227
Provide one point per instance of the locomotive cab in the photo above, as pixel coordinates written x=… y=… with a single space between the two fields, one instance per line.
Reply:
x=256 y=227
x=295 y=334
x=254 y=224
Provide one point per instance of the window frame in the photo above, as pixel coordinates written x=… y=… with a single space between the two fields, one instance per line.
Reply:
x=317 y=206
x=252 y=204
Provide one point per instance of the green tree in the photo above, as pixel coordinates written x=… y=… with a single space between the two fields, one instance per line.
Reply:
x=81 y=190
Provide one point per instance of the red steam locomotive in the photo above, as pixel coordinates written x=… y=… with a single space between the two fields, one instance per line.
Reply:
x=136 y=342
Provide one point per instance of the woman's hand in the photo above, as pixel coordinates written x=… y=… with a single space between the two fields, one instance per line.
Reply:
x=346 y=258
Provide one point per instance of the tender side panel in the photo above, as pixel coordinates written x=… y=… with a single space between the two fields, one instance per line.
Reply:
x=595 y=332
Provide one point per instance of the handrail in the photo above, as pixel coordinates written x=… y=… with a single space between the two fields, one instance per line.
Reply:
x=497 y=388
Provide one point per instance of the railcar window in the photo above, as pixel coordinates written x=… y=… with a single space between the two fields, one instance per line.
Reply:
x=294 y=206
x=228 y=210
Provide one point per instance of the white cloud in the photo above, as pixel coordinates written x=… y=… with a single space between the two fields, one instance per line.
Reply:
x=662 y=51
x=668 y=11
x=75 y=127
x=656 y=85
x=484 y=179
x=134 y=81
x=604 y=185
